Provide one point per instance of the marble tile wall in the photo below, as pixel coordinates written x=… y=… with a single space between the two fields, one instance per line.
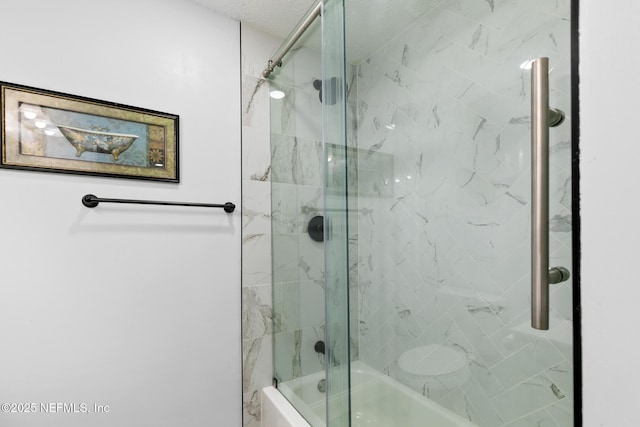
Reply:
x=257 y=312
x=444 y=247
x=283 y=268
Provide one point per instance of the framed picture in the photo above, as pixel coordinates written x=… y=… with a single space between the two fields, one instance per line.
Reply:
x=55 y=132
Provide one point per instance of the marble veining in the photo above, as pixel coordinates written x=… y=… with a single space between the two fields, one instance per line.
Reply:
x=264 y=176
x=252 y=96
x=257 y=316
x=257 y=313
x=296 y=364
x=251 y=409
x=251 y=351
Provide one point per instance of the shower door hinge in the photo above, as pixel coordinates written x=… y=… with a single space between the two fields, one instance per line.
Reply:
x=274 y=382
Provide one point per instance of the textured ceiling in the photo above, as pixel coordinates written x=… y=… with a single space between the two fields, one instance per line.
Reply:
x=277 y=17
x=370 y=24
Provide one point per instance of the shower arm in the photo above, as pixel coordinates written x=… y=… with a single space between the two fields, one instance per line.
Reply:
x=276 y=60
x=542 y=117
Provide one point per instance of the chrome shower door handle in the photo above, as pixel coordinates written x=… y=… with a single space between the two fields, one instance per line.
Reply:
x=541 y=275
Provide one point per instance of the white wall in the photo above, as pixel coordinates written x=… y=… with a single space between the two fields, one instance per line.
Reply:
x=609 y=90
x=135 y=307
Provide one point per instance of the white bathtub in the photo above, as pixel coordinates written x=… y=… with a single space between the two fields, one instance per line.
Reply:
x=376 y=401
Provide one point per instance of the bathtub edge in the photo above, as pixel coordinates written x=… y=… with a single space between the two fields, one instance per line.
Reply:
x=277 y=411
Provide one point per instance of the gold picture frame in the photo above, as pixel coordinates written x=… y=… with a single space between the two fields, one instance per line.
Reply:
x=56 y=132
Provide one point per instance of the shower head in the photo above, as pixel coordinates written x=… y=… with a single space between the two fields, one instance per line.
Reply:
x=330 y=94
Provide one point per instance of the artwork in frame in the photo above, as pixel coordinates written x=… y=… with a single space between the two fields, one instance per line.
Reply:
x=55 y=132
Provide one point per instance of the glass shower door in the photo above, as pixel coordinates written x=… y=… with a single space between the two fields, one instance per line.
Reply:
x=438 y=119
x=336 y=204
x=296 y=200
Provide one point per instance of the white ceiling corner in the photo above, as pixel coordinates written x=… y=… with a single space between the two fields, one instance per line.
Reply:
x=277 y=17
x=370 y=24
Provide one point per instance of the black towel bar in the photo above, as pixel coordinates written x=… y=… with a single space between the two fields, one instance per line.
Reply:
x=91 y=201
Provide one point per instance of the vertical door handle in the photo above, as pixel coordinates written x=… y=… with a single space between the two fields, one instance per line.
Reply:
x=541 y=118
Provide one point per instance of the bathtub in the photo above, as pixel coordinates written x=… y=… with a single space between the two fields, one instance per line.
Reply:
x=376 y=401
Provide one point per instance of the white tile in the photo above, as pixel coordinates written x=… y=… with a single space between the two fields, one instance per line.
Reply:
x=561 y=301
x=560 y=230
x=478 y=338
x=560 y=190
x=561 y=8
x=287 y=306
x=435 y=309
x=539 y=418
x=529 y=396
x=257 y=363
x=256 y=311
x=508 y=271
x=311 y=361
x=256 y=259
x=295 y=355
x=312 y=313
x=562 y=412
x=256 y=207
x=477 y=237
x=438 y=332
x=561 y=336
x=517 y=299
x=308 y=114
x=514 y=155
x=478 y=398
x=531 y=360
x=513 y=200
x=285 y=209
x=460 y=404
x=492 y=13
x=281 y=112
x=485 y=379
x=251 y=409
x=255 y=103
x=516 y=230
x=507 y=339
x=562 y=376
x=285 y=258
x=286 y=356
x=256 y=154
x=311 y=260
x=296 y=160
